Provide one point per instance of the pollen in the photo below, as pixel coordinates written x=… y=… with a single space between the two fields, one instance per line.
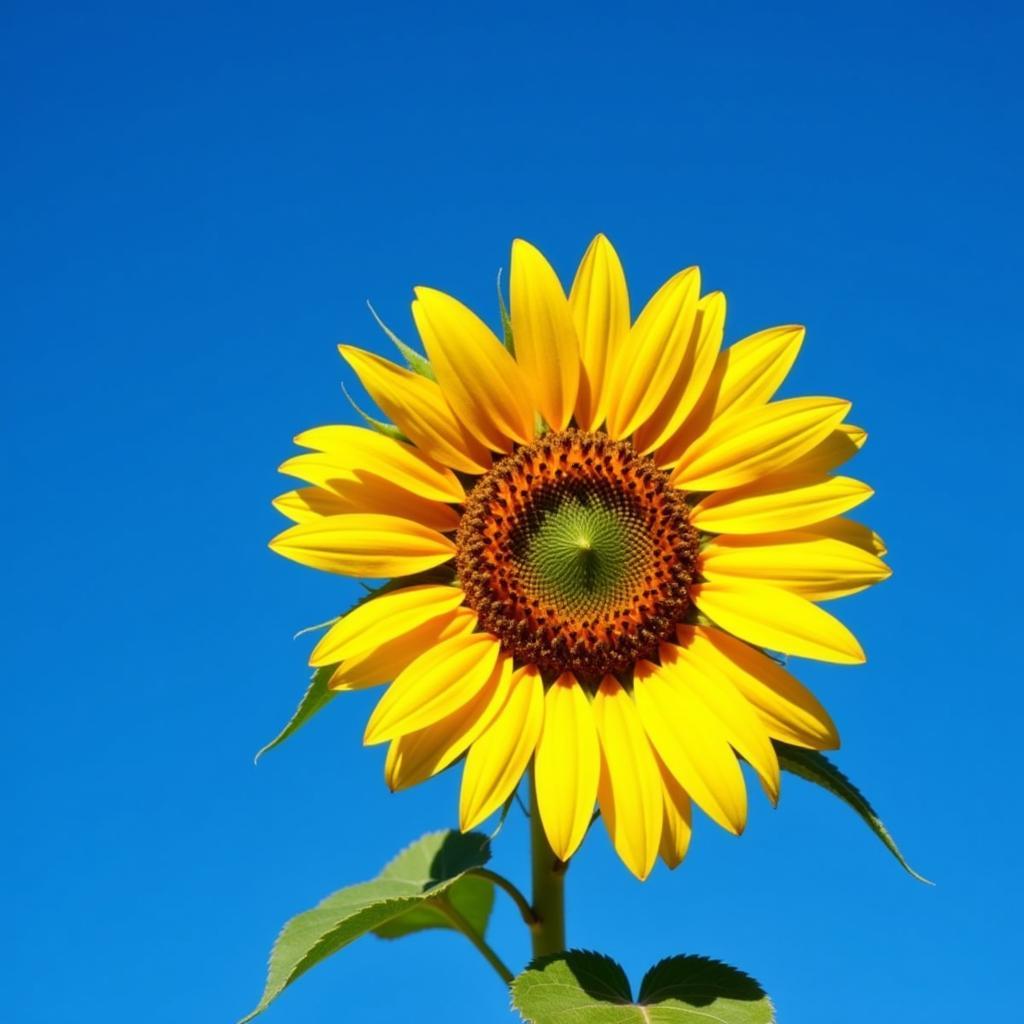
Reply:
x=577 y=554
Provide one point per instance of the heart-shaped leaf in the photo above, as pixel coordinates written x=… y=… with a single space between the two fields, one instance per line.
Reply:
x=589 y=988
x=813 y=766
x=471 y=896
x=430 y=873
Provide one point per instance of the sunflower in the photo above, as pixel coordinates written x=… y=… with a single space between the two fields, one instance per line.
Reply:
x=592 y=534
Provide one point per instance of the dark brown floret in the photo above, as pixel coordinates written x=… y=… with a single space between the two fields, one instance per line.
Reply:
x=595 y=608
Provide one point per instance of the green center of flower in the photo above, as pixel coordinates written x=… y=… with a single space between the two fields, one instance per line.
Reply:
x=581 y=554
x=577 y=554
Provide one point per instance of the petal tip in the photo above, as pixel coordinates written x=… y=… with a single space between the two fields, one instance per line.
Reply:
x=372 y=734
x=640 y=873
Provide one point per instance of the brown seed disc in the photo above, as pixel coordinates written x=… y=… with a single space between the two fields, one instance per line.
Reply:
x=577 y=553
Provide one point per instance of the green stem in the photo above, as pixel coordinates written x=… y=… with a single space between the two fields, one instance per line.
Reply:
x=461 y=924
x=525 y=910
x=548 y=886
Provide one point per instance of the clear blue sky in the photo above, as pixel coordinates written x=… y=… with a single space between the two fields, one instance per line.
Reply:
x=197 y=201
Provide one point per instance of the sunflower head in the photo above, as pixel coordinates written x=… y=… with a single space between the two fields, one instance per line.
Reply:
x=594 y=537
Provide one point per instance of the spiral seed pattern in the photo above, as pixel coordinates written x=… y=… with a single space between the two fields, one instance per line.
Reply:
x=577 y=554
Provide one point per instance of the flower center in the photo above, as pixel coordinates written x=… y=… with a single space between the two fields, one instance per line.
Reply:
x=577 y=554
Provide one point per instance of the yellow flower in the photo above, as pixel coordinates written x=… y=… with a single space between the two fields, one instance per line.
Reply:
x=592 y=541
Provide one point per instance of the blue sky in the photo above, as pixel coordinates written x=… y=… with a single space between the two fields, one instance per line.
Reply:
x=198 y=200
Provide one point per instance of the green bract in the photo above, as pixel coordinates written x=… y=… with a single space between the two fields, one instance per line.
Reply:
x=815 y=767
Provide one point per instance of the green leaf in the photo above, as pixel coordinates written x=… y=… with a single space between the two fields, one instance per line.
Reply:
x=813 y=766
x=427 y=871
x=417 y=363
x=505 y=808
x=471 y=896
x=316 y=627
x=387 y=429
x=315 y=699
x=317 y=696
x=588 y=988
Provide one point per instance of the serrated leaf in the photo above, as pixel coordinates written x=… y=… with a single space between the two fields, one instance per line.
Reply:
x=578 y=987
x=685 y=988
x=813 y=766
x=439 y=856
x=471 y=896
x=417 y=363
x=427 y=870
x=315 y=699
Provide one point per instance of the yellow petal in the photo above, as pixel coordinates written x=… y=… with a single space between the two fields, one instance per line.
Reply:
x=481 y=382
x=789 y=710
x=755 y=367
x=307 y=503
x=815 y=567
x=677 y=829
x=365 y=451
x=544 y=333
x=417 y=407
x=381 y=619
x=850 y=532
x=647 y=364
x=691 y=375
x=567 y=766
x=438 y=683
x=741 y=726
x=599 y=303
x=498 y=758
x=783 y=501
x=752 y=443
x=630 y=790
x=383 y=663
x=364 y=545
x=690 y=741
x=777 y=619
x=840 y=446
x=745 y=375
x=341 y=491
x=416 y=756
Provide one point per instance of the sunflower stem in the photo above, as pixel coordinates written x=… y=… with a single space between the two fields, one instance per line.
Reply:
x=548 y=932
